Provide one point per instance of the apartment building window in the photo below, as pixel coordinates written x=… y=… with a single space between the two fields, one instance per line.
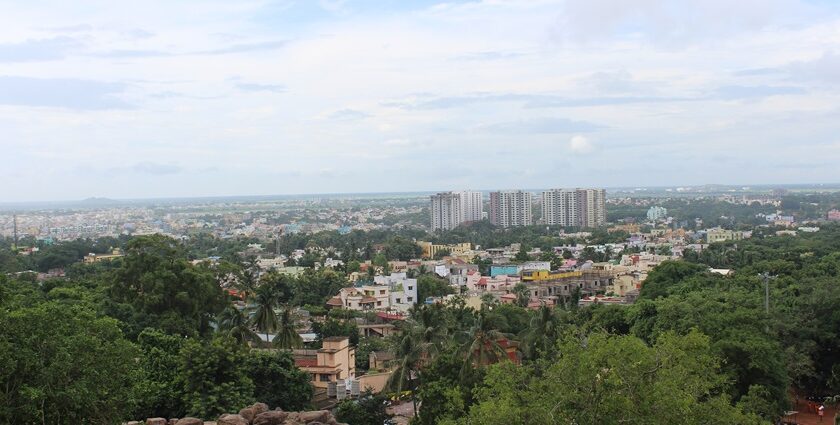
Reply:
x=399 y=300
x=324 y=377
x=410 y=288
x=379 y=303
x=410 y=299
x=382 y=292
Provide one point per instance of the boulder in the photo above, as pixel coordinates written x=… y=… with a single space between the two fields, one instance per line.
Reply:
x=259 y=408
x=172 y=421
x=189 y=421
x=133 y=423
x=232 y=420
x=156 y=421
x=247 y=413
x=273 y=417
x=314 y=416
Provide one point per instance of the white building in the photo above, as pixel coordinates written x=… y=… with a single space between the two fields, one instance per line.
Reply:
x=574 y=207
x=656 y=213
x=387 y=293
x=449 y=209
x=511 y=208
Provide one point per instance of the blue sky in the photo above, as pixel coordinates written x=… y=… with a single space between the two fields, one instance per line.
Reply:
x=162 y=98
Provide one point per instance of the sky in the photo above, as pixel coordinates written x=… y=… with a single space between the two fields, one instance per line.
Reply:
x=256 y=97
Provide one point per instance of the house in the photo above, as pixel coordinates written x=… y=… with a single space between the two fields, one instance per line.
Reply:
x=335 y=360
x=387 y=293
x=94 y=258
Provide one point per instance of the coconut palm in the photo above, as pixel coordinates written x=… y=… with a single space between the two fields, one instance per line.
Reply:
x=264 y=318
x=234 y=323
x=542 y=334
x=287 y=336
x=482 y=343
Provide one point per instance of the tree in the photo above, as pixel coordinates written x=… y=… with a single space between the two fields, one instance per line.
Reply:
x=482 y=345
x=277 y=381
x=287 y=335
x=539 y=340
x=264 y=318
x=214 y=377
x=522 y=294
x=675 y=381
x=667 y=274
x=431 y=286
x=159 y=391
x=522 y=256
x=64 y=364
x=368 y=409
x=163 y=290
x=234 y=323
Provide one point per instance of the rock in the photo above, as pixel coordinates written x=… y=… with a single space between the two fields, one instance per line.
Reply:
x=314 y=416
x=156 y=421
x=232 y=420
x=172 y=421
x=273 y=417
x=133 y=423
x=247 y=413
x=209 y=423
x=259 y=408
x=189 y=421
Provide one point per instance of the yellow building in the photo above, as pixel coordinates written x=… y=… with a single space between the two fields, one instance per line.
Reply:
x=93 y=258
x=335 y=360
x=430 y=249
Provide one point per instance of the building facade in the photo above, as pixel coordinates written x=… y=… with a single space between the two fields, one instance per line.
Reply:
x=656 y=213
x=574 y=207
x=450 y=209
x=511 y=208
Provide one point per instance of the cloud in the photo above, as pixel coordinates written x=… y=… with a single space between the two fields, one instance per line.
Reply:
x=580 y=145
x=61 y=93
x=46 y=49
x=545 y=125
x=348 y=115
x=155 y=169
x=753 y=92
x=255 y=87
x=245 y=48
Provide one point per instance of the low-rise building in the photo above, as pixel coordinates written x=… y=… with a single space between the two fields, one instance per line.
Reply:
x=335 y=360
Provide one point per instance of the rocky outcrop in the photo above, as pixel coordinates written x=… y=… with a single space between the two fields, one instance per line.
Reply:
x=256 y=414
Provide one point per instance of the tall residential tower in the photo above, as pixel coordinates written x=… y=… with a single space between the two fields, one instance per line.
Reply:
x=449 y=209
x=510 y=208
x=574 y=207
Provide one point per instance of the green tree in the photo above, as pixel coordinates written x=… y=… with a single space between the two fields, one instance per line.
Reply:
x=264 y=318
x=64 y=364
x=277 y=381
x=287 y=335
x=159 y=391
x=234 y=323
x=592 y=382
x=214 y=377
x=368 y=409
x=163 y=290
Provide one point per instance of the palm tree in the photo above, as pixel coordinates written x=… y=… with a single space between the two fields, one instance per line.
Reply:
x=539 y=338
x=407 y=360
x=287 y=336
x=264 y=318
x=234 y=323
x=482 y=345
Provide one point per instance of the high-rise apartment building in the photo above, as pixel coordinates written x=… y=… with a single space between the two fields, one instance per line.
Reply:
x=510 y=208
x=446 y=211
x=449 y=209
x=472 y=207
x=574 y=207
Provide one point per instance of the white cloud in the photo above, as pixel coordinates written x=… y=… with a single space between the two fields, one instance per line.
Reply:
x=580 y=145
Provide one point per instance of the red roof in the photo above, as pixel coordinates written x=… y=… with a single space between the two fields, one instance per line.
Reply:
x=482 y=281
x=336 y=301
x=388 y=316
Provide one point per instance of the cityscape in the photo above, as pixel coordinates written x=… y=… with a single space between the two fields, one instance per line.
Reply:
x=466 y=212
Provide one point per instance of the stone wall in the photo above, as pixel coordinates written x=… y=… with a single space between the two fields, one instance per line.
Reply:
x=257 y=414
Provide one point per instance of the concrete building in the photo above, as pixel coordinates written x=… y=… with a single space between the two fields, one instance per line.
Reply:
x=656 y=212
x=449 y=209
x=720 y=235
x=335 y=360
x=446 y=211
x=430 y=249
x=574 y=207
x=511 y=208
x=387 y=293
